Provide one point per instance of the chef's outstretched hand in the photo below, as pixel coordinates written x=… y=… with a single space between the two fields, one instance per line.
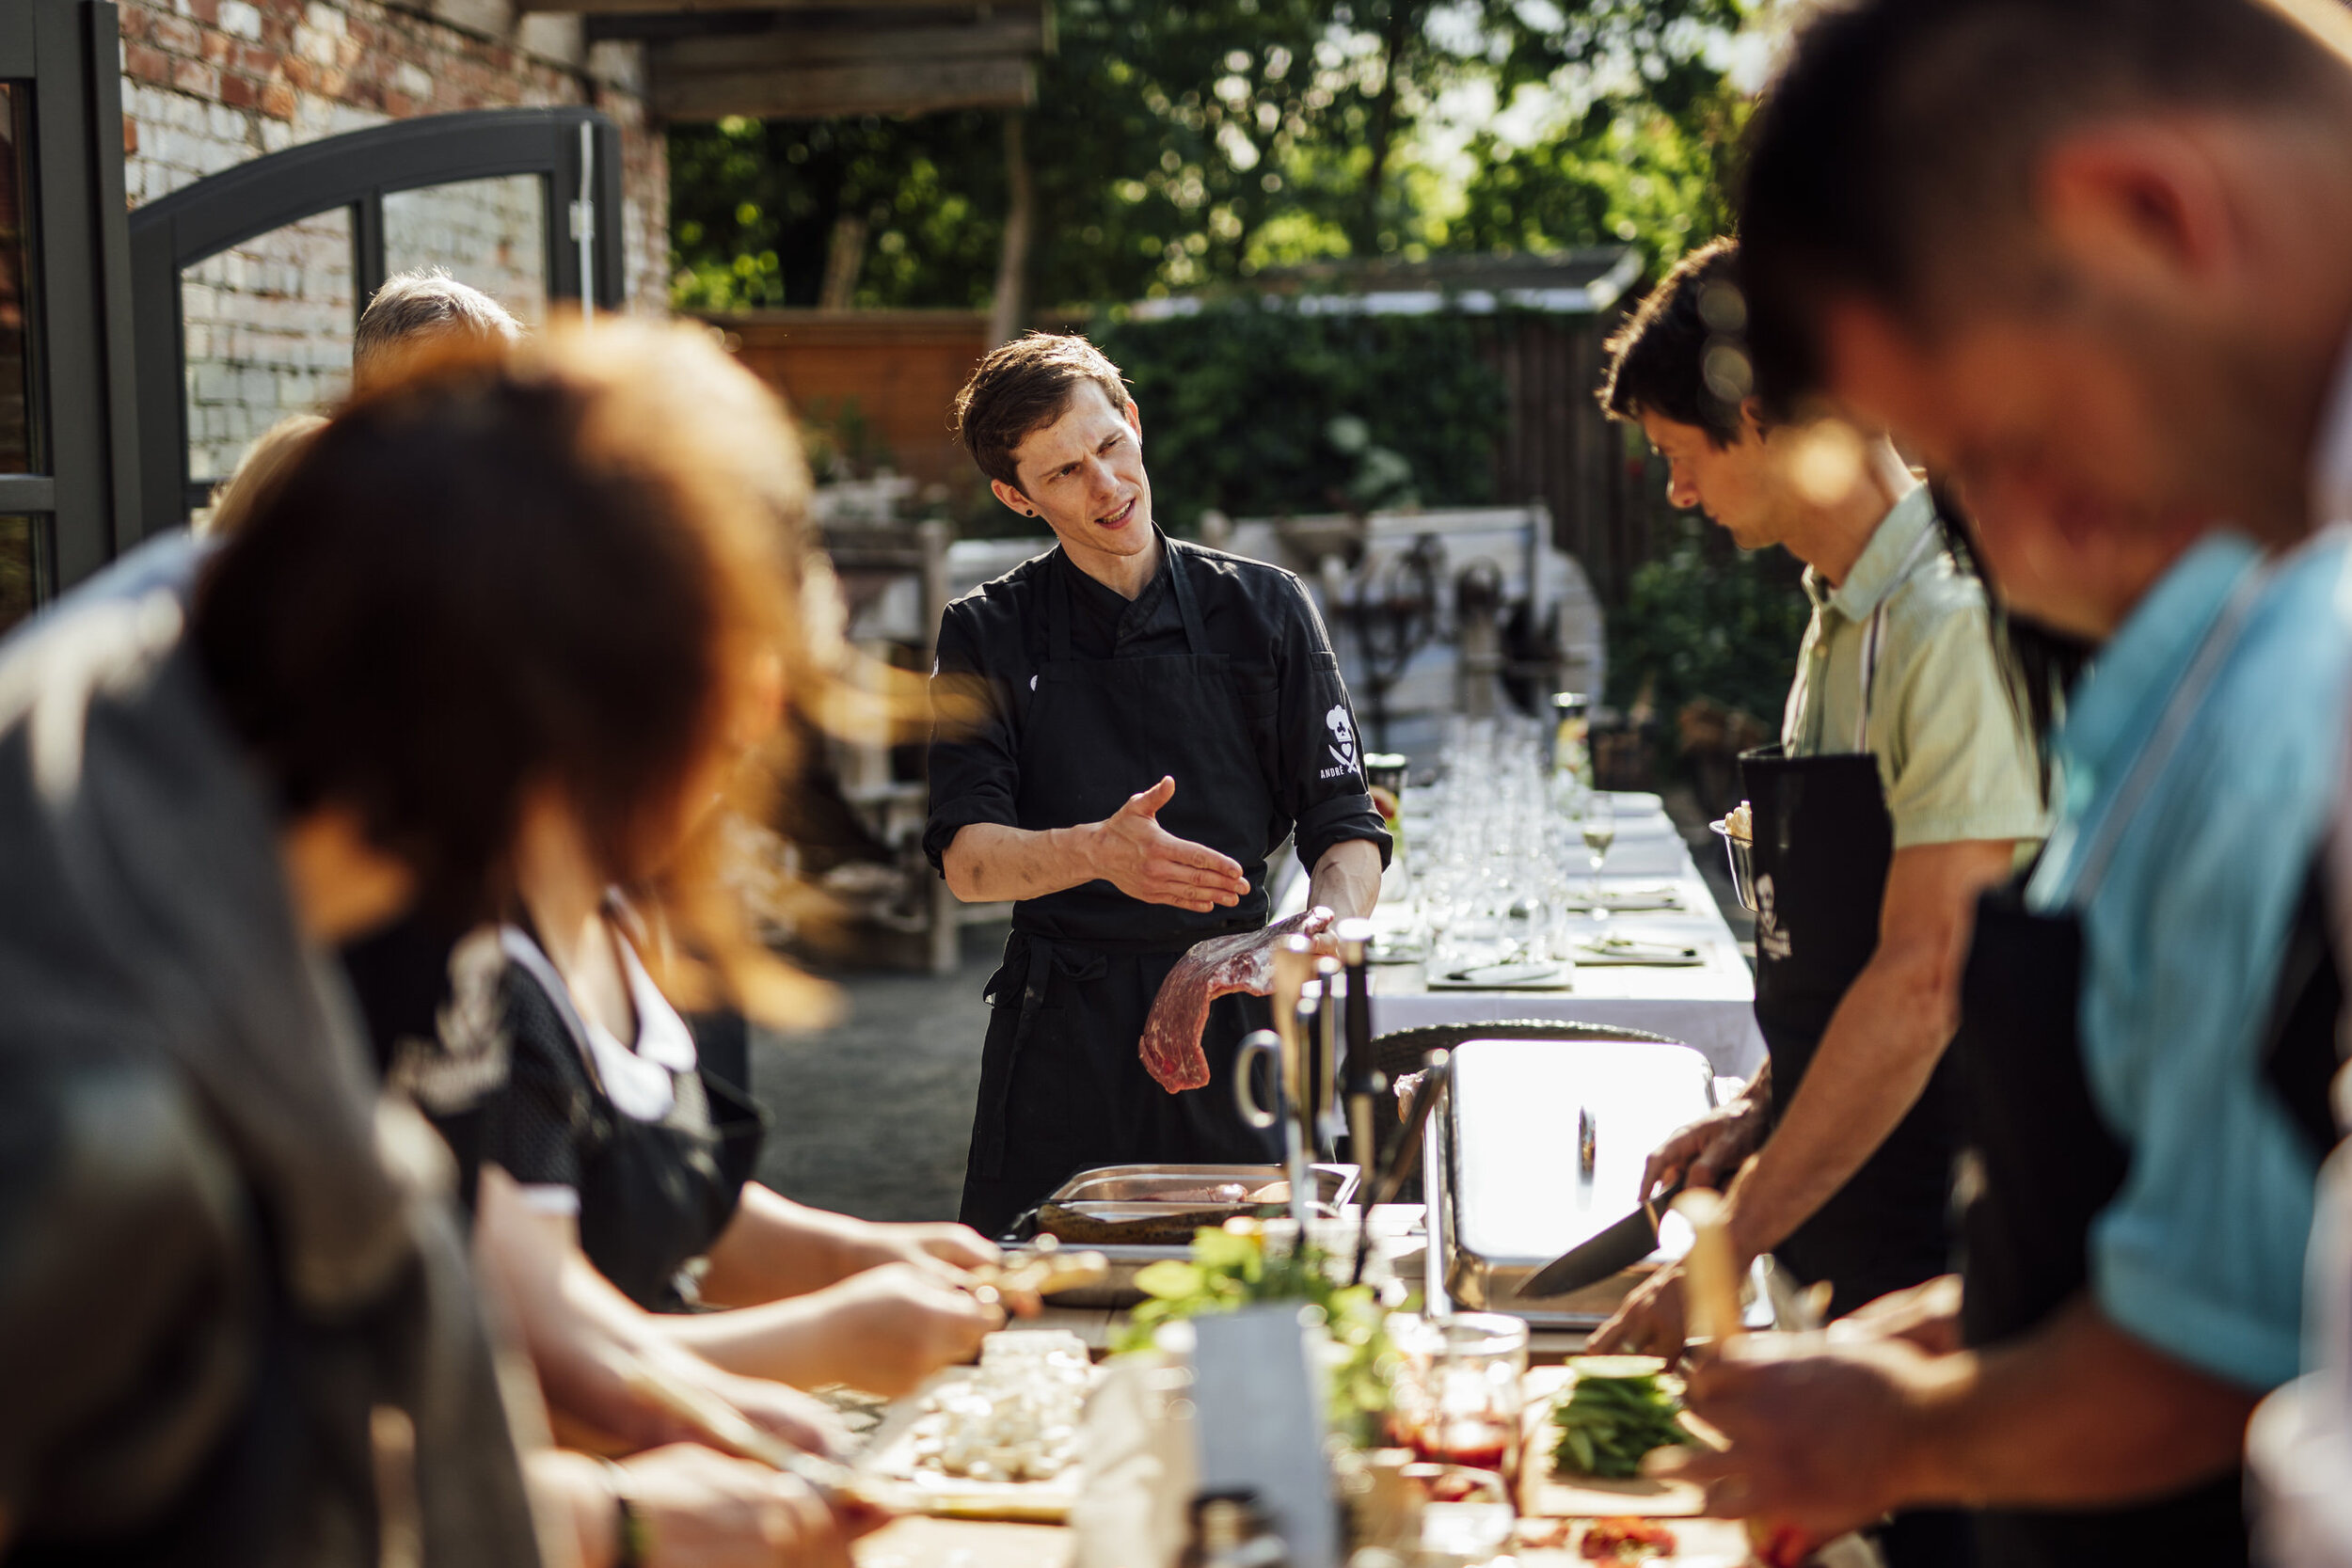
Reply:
x=1143 y=860
x=1220 y=966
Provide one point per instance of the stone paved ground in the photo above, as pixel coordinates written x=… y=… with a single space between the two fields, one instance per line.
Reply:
x=872 y=1115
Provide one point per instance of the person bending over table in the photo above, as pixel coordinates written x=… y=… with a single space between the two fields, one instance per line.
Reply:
x=1902 y=787
x=1128 y=726
x=2141 y=213
x=234 y=1295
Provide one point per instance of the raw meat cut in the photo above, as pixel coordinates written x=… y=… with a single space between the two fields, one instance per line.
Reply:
x=1218 y=967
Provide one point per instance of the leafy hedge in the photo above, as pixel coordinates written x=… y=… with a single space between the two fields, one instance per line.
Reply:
x=1257 y=410
x=1705 y=620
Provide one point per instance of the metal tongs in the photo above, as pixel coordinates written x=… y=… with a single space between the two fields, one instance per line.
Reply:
x=1435 y=1070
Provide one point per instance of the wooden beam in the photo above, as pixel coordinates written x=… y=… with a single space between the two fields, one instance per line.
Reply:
x=648 y=8
x=906 y=87
x=804 y=48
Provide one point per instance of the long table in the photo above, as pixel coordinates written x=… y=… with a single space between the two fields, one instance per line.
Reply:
x=1710 y=1005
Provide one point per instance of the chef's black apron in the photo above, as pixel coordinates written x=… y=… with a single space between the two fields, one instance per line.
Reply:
x=1824 y=845
x=653 y=1195
x=2043 y=1164
x=1062 y=1087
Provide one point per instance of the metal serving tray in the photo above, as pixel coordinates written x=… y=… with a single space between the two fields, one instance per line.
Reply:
x=1509 y=1195
x=1142 y=1192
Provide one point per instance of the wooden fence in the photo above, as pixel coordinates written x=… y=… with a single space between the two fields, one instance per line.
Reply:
x=901 y=370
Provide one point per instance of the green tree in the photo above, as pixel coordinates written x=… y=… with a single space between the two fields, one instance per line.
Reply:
x=1185 y=144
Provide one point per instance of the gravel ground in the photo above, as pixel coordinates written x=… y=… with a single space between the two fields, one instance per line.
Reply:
x=873 y=1116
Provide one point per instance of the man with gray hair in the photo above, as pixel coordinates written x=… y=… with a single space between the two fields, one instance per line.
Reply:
x=420 y=308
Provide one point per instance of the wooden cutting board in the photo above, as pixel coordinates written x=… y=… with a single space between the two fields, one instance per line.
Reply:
x=915 y=1543
x=1546 y=1496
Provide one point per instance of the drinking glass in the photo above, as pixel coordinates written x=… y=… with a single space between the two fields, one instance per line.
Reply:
x=1460 y=1388
x=1599 y=827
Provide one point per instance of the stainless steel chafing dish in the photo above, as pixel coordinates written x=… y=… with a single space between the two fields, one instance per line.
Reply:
x=1507 y=1187
x=1121 y=1195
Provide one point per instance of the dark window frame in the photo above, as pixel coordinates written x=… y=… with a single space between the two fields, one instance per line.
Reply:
x=86 y=495
x=354 y=172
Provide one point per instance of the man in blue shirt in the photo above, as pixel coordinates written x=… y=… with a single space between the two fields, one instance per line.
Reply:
x=2095 y=259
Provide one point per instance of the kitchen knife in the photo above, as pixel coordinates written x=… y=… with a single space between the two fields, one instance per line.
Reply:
x=1602 y=1254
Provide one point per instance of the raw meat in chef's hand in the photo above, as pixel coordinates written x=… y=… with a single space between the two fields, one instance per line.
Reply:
x=1218 y=967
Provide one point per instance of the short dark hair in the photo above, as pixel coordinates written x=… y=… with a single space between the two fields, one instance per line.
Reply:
x=1023 y=386
x=1899 y=137
x=1680 y=355
x=420 y=306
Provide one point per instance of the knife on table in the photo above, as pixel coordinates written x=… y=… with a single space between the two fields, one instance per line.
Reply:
x=1603 y=1253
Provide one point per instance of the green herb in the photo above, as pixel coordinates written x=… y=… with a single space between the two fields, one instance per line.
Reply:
x=1618 y=1409
x=1231 y=1268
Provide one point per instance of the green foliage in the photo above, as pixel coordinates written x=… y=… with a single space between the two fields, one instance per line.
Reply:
x=1179 y=143
x=1705 y=620
x=1233 y=1269
x=754 y=205
x=1256 y=409
x=1639 y=176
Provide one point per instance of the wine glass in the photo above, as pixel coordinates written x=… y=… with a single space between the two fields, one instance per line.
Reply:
x=1600 y=830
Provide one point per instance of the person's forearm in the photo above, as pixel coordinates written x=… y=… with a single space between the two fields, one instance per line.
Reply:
x=1882 y=1045
x=793 y=1341
x=2077 y=1415
x=1346 y=880
x=775 y=1249
x=990 y=862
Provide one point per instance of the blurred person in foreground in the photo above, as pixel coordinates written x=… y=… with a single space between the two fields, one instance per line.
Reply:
x=2095 y=259
x=414 y=312
x=236 y=1303
x=545 y=1049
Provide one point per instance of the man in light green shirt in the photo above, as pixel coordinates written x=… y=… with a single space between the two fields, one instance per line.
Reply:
x=1871 y=915
x=1954 y=761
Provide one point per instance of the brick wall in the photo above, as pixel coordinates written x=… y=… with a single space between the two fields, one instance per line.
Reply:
x=210 y=84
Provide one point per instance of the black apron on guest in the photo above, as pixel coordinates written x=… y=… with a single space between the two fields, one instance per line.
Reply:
x=2043 y=1162
x=655 y=1192
x=1823 y=846
x=1062 y=1087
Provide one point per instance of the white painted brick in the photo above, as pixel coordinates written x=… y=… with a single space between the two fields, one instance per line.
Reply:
x=240 y=19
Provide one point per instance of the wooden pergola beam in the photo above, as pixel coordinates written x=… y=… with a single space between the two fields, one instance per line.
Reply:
x=897 y=86
x=1007 y=33
x=677 y=7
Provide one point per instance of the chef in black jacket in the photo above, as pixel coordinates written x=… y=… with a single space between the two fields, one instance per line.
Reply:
x=1129 y=726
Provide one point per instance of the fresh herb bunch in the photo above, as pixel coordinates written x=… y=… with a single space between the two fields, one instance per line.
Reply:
x=1233 y=1268
x=1618 y=1409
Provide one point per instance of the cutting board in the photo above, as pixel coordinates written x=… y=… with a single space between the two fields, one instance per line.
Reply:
x=890 y=1454
x=965 y=1543
x=1546 y=1496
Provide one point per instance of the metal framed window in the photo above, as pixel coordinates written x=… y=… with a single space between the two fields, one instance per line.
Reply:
x=342 y=211
x=69 y=485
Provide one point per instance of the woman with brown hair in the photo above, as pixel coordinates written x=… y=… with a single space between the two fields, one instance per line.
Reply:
x=618 y=1134
x=235 y=1324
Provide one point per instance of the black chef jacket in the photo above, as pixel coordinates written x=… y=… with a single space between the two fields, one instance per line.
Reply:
x=1258 y=616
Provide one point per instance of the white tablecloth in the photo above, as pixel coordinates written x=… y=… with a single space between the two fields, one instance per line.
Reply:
x=1710 y=1005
